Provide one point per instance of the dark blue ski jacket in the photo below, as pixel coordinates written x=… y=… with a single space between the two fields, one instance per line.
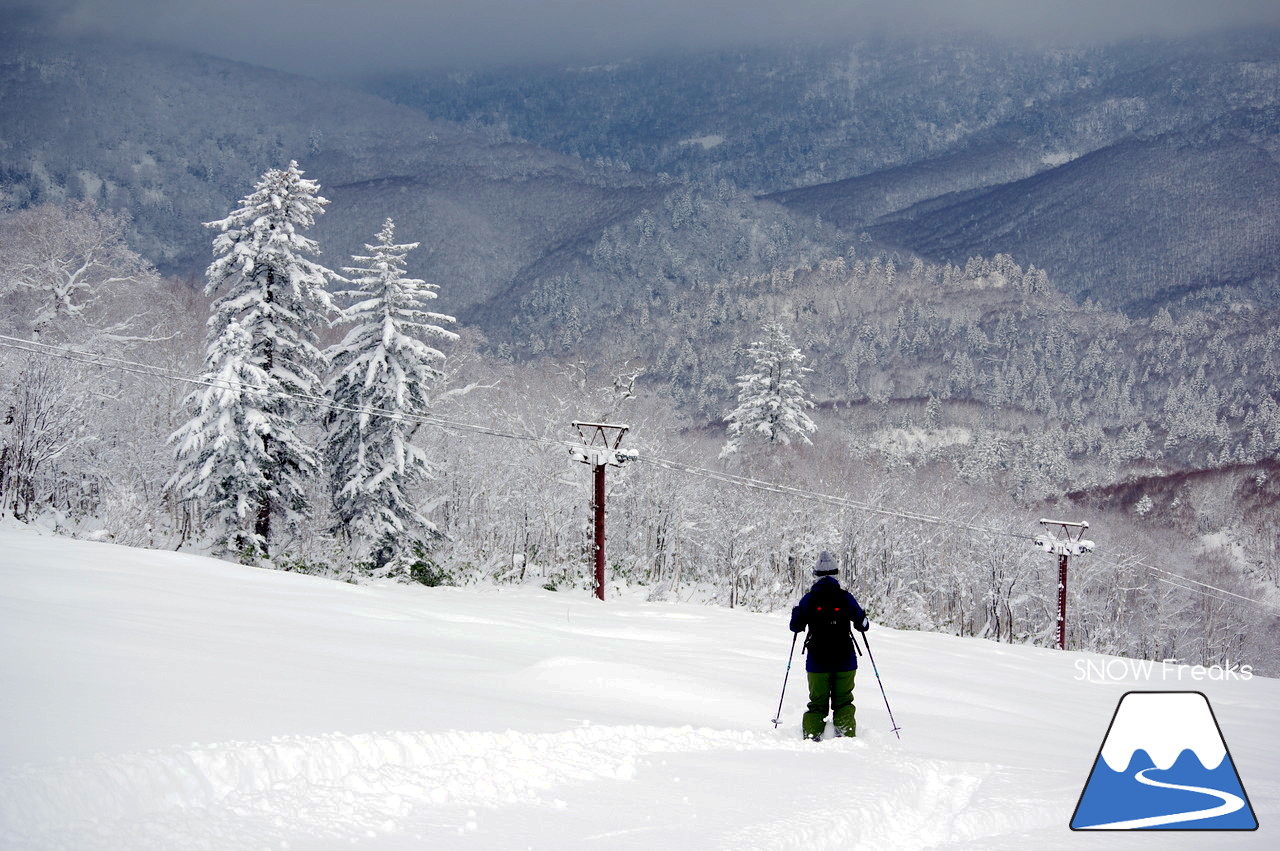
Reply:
x=841 y=655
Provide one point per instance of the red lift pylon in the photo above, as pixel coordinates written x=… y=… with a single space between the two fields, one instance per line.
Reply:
x=1064 y=547
x=600 y=448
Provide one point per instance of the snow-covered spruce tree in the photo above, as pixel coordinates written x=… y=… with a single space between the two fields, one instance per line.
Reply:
x=270 y=294
x=771 y=398
x=223 y=459
x=383 y=370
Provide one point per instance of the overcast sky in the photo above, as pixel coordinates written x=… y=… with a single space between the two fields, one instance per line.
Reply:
x=337 y=37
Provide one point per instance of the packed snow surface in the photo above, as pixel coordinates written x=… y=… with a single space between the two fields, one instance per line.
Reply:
x=153 y=700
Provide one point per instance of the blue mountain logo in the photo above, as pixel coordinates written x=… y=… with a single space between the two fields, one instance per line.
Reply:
x=1164 y=765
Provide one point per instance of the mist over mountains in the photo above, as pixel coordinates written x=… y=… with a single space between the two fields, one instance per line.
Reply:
x=1137 y=174
x=951 y=148
x=175 y=138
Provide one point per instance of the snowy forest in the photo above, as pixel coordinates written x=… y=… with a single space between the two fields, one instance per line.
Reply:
x=349 y=338
x=331 y=422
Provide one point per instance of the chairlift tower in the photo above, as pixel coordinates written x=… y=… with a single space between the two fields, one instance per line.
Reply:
x=1069 y=542
x=601 y=447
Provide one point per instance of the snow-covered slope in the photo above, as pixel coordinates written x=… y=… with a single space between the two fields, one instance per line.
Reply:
x=159 y=700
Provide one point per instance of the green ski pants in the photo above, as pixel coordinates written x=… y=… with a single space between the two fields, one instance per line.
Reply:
x=836 y=690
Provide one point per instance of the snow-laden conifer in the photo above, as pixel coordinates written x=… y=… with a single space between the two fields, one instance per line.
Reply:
x=270 y=294
x=222 y=457
x=771 y=397
x=383 y=370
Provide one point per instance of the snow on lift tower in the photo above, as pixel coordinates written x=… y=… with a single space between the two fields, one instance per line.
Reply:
x=601 y=446
x=1070 y=543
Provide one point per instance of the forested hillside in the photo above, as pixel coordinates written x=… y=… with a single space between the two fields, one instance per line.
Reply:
x=764 y=119
x=892 y=333
x=972 y=394
x=174 y=137
x=949 y=148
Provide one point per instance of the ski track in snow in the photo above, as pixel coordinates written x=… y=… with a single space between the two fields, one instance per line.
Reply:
x=353 y=788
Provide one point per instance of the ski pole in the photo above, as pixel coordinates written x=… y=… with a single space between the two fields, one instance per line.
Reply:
x=778 y=718
x=870 y=655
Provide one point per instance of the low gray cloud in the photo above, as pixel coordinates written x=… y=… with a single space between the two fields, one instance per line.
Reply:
x=338 y=37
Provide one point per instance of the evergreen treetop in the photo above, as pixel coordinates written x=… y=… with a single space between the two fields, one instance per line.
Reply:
x=244 y=455
x=771 y=397
x=383 y=370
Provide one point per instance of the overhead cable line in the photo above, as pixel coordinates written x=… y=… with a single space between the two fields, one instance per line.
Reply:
x=1196 y=591
x=829 y=499
x=152 y=371
x=1195 y=586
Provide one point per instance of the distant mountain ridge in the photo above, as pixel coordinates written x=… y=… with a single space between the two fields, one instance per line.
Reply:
x=938 y=146
x=177 y=138
x=1135 y=225
x=1162 y=184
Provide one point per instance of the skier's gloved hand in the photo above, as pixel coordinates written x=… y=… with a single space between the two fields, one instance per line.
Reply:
x=864 y=626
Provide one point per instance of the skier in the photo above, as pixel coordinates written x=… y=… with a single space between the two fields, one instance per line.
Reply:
x=829 y=611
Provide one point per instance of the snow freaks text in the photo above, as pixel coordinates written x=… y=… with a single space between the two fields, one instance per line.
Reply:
x=1167 y=670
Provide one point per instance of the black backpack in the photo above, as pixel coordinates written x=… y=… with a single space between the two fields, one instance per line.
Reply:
x=830 y=619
